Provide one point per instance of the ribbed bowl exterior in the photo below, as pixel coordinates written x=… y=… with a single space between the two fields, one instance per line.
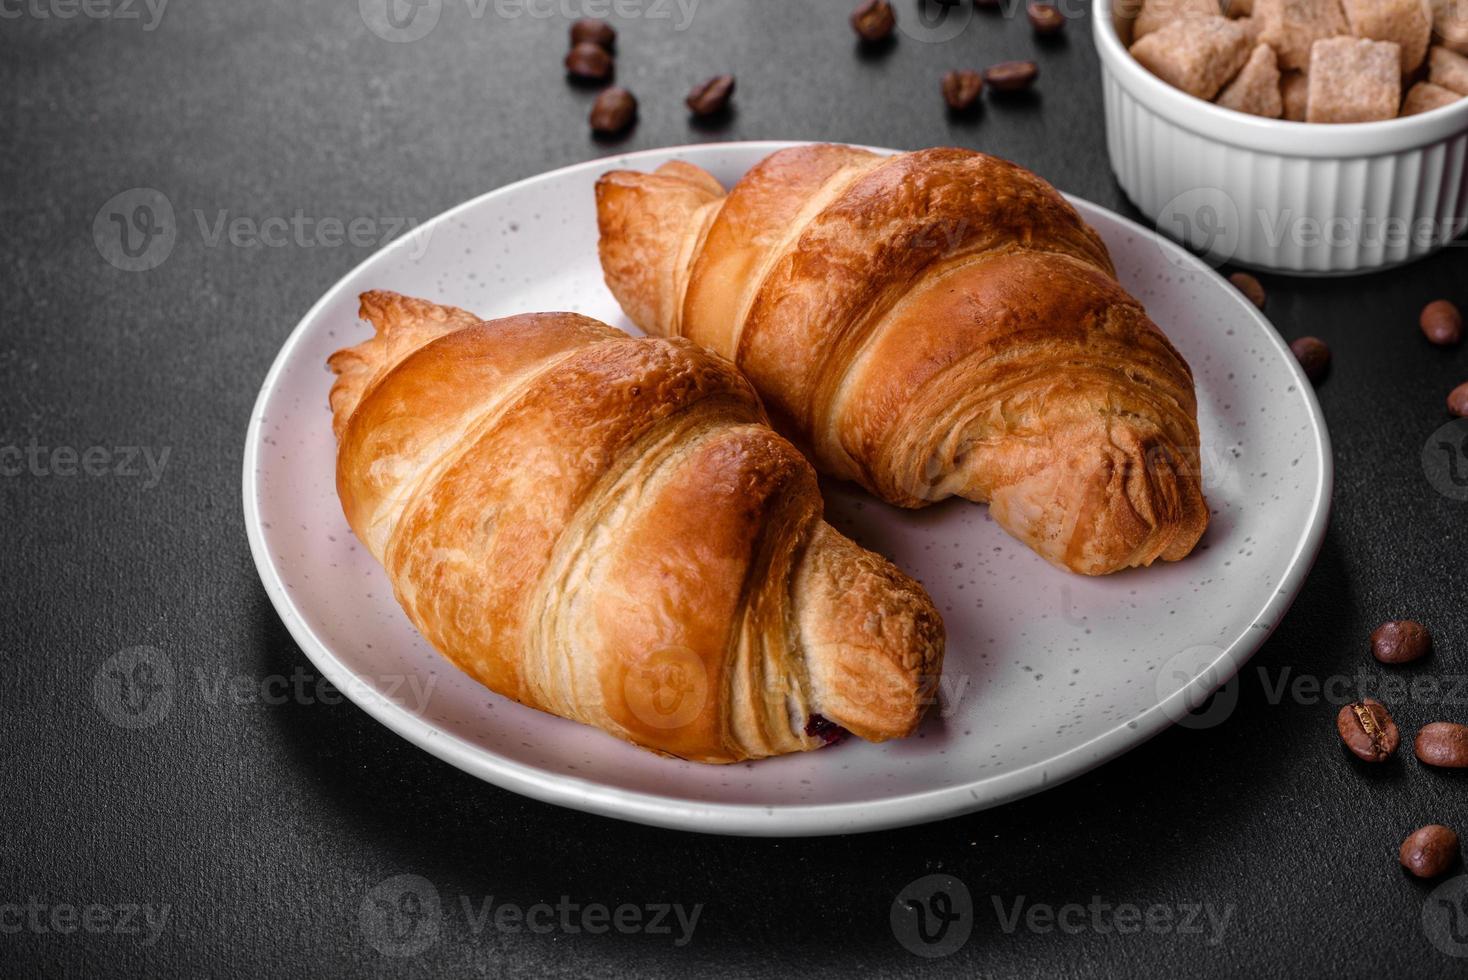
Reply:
x=1289 y=212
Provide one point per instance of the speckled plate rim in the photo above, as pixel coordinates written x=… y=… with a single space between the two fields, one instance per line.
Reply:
x=795 y=820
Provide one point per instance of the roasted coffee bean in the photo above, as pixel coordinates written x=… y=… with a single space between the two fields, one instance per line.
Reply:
x=1429 y=851
x=1442 y=323
x=614 y=110
x=1011 y=76
x=1443 y=743
x=593 y=31
x=1368 y=730
x=1045 y=18
x=711 y=97
x=1313 y=356
x=961 y=88
x=874 y=20
x=1252 y=289
x=1400 y=641
x=1458 y=401
x=589 y=62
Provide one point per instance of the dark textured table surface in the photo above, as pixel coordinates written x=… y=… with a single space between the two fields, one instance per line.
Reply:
x=243 y=834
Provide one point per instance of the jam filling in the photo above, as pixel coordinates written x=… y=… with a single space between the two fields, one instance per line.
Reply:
x=826 y=730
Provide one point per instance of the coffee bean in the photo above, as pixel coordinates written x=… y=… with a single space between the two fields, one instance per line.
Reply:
x=711 y=97
x=1045 y=18
x=1313 y=356
x=1442 y=323
x=1400 y=641
x=1011 y=76
x=589 y=62
x=1252 y=289
x=1368 y=730
x=591 y=30
x=1443 y=743
x=614 y=110
x=961 y=88
x=1429 y=851
x=874 y=20
x=1458 y=401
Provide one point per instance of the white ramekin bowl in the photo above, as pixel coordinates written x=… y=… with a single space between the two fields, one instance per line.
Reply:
x=1302 y=198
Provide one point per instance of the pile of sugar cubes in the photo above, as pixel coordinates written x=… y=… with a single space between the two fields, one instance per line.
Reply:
x=1321 y=61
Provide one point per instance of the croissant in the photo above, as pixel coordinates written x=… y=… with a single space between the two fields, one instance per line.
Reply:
x=930 y=324
x=606 y=528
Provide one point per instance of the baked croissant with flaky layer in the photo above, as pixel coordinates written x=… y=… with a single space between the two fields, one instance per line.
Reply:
x=928 y=324
x=607 y=529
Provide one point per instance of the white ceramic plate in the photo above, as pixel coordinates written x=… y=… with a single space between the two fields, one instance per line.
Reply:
x=1047 y=674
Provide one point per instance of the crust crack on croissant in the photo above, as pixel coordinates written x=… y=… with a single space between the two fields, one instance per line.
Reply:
x=930 y=324
x=607 y=529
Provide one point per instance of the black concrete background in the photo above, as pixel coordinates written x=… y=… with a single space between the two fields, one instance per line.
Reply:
x=265 y=827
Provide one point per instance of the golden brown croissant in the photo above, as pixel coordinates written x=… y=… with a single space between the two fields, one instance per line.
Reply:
x=928 y=324
x=606 y=528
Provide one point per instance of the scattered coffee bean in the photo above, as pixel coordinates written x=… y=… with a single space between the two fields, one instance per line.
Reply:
x=1429 y=851
x=1252 y=289
x=1045 y=18
x=1443 y=743
x=874 y=20
x=1458 y=401
x=614 y=110
x=961 y=88
x=711 y=97
x=1400 y=641
x=1442 y=323
x=1368 y=730
x=589 y=62
x=1313 y=356
x=591 y=30
x=1011 y=76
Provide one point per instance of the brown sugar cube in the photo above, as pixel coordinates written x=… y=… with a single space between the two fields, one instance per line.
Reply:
x=1425 y=96
x=1450 y=24
x=1253 y=27
x=1256 y=88
x=1407 y=22
x=1291 y=26
x=1354 y=80
x=1159 y=13
x=1198 y=55
x=1294 y=92
x=1448 y=69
